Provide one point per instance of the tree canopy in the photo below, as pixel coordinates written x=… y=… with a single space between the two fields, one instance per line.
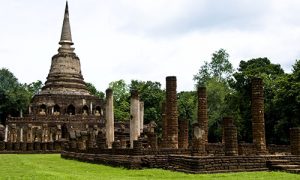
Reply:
x=14 y=96
x=228 y=93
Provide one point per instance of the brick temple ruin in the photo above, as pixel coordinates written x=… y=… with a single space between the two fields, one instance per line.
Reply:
x=65 y=117
x=64 y=107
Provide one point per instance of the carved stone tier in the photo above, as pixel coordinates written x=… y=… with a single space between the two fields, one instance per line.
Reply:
x=65 y=76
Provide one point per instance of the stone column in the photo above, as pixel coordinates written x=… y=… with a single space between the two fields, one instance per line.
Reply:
x=6 y=133
x=295 y=140
x=45 y=135
x=171 y=112
x=51 y=136
x=141 y=116
x=164 y=125
x=202 y=111
x=257 y=112
x=183 y=135
x=91 y=108
x=21 y=134
x=109 y=116
x=134 y=117
x=230 y=137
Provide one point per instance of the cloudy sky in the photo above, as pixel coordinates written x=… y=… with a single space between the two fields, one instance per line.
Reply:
x=146 y=39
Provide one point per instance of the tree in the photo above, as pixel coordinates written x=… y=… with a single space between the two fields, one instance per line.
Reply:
x=187 y=108
x=152 y=95
x=287 y=104
x=121 y=100
x=92 y=89
x=219 y=68
x=34 y=87
x=14 y=96
x=215 y=76
x=241 y=83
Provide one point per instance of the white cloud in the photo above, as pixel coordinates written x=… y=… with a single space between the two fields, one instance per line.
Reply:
x=146 y=39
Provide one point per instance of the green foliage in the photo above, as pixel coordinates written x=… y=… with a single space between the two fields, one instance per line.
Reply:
x=286 y=101
x=121 y=100
x=152 y=95
x=92 y=89
x=34 y=87
x=14 y=96
x=219 y=68
x=51 y=166
x=187 y=106
x=217 y=91
x=215 y=76
x=263 y=68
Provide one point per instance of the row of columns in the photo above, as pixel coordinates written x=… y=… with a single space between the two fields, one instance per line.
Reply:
x=13 y=134
x=200 y=129
x=136 y=117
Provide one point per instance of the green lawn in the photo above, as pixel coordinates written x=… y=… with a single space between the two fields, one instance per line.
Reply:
x=37 y=166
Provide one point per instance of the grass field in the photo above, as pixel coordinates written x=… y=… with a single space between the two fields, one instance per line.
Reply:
x=51 y=166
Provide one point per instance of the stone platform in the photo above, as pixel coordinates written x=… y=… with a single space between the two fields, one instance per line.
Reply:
x=182 y=163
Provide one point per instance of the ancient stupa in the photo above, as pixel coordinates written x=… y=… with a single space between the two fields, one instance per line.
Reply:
x=64 y=104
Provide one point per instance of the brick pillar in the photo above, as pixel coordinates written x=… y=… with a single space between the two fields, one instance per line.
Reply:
x=202 y=111
x=198 y=144
x=295 y=140
x=164 y=125
x=109 y=118
x=230 y=137
x=257 y=112
x=134 y=117
x=226 y=122
x=183 y=135
x=171 y=112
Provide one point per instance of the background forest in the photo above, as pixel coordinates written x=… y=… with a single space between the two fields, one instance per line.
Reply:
x=228 y=93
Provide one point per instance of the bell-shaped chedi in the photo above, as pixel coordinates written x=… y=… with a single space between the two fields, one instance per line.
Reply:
x=65 y=73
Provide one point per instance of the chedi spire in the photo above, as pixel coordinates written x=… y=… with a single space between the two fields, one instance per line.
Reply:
x=66 y=36
x=65 y=72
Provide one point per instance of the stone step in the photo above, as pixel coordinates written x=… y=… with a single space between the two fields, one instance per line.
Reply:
x=285 y=166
